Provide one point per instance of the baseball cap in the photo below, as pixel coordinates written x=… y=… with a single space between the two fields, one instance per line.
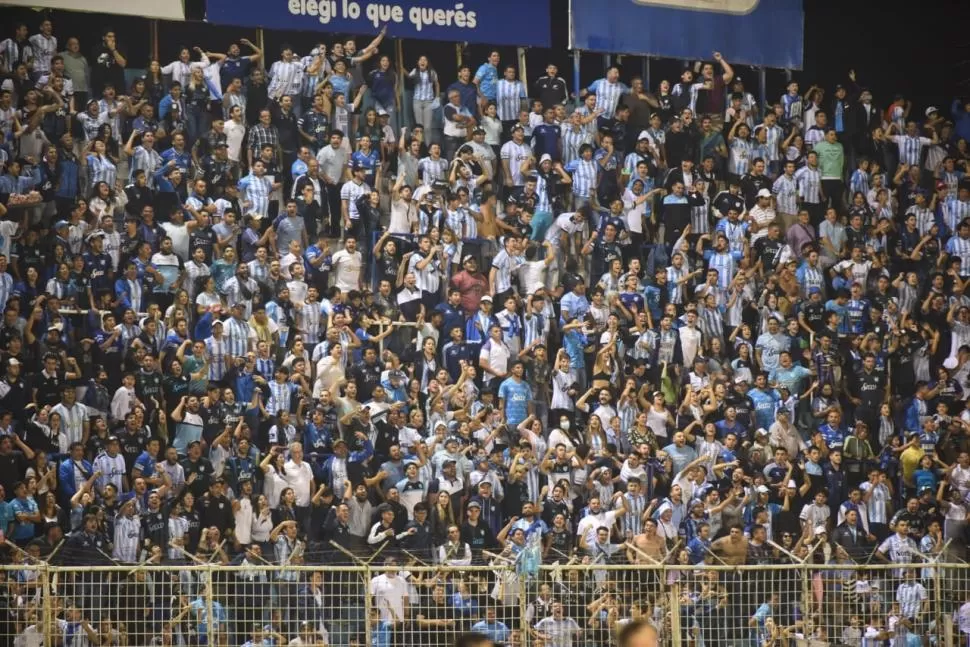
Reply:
x=467 y=258
x=474 y=504
x=478 y=131
x=486 y=298
x=643 y=135
x=546 y=157
x=764 y=193
x=761 y=489
x=381 y=112
x=13 y=361
x=61 y=223
x=931 y=110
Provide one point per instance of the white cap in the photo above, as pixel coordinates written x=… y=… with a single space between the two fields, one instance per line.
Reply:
x=643 y=135
x=13 y=361
x=820 y=530
x=546 y=157
x=950 y=363
x=931 y=110
x=421 y=192
x=761 y=430
x=764 y=193
x=761 y=489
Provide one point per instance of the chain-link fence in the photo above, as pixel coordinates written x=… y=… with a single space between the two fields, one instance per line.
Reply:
x=387 y=603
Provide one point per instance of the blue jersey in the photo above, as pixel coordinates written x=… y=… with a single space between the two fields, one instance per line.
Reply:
x=765 y=403
x=516 y=395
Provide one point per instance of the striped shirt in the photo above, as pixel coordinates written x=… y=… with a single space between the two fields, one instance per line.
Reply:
x=813 y=136
x=310 y=81
x=457 y=221
x=700 y=218
x=585 y=175
x=960 y=247
x=13 y=52
x=632 y=521
x=285 y=78
x=280 y=397
x=911 y=148
x=430 y=169
x=954 y=211
x=126 y=539
x=774 y=135
x=284 y=553
x=725 y=265
x=809 y=183
x=735 y=232
x=148 y=160
x=44 y=49
x=675 y=293
x=101 y=169
x=952 y=181
x=114 y=120
x=256 y=190
x=6 y=288
x=508 y=99
x=572 y=140
x=237 y=332
x=910 y=596
x=786 y=194
x=309 y=318
x=181 y=72
x=608 y=95
x=351 y=192
x=924 y=219
x=516 y=155
x=859 y=183
x=178 y=527
x=218 y=360
x=740 y=160
x=258 y=271
x=266 y=366
x=899 y=550
x=423 y=84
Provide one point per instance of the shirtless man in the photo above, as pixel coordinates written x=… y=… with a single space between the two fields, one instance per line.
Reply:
x=648 y=547
x=733 y=549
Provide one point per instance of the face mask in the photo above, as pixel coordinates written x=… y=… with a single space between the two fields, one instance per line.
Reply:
x=564 y=425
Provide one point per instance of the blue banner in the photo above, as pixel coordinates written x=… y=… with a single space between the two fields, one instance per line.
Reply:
x=767 y=33
x=495 y=22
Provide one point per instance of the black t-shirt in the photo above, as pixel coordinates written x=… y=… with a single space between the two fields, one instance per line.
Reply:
x=13 y=466
x=105 y=69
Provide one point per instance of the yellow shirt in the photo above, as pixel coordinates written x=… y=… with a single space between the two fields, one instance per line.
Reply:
x=909 y=460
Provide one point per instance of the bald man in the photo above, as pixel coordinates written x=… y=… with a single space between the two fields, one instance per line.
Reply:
x=638 y=633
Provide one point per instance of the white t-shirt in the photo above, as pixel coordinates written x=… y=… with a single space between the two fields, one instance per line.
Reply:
x=8 y=229
x=531 y=276
x=300 y=478
x=180 y=239
x=587 y=525
x=346 y=270
x=390 y=593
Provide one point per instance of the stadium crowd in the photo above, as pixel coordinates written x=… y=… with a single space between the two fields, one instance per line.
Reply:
x=256 y=314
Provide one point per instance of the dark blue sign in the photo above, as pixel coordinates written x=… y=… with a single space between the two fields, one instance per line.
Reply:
x=767 y=33
x=496 y=22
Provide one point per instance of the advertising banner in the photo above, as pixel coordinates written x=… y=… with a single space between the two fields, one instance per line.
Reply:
x=767 y=33
x=495 y=22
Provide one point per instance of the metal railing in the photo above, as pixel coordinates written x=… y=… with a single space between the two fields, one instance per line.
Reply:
x=577 y=603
